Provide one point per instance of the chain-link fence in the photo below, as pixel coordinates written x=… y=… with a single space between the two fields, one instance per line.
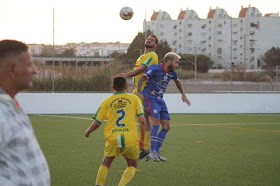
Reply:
x=98 y=78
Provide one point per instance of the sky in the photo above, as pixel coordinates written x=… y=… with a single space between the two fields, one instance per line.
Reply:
x=75 y=21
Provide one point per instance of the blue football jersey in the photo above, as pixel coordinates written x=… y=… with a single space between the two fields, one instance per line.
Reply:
x=157 y=81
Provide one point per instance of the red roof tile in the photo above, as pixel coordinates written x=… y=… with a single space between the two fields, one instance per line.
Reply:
x=154 y=16
x=211 y=14
x=243 y=12
x=182 y=15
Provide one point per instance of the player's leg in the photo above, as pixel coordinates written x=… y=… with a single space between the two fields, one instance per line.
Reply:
x=131 y=157
x=144 y=152
x=164 y=121
x=109 y=154
x=103 y=170
x=151 y=106
x=161 y=137
x=147 y=132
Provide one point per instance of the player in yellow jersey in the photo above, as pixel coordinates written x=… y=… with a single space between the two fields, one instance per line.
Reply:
x=121 y=134
x=143 y=62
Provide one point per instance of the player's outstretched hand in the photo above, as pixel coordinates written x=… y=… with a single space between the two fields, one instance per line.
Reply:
x=186 y=100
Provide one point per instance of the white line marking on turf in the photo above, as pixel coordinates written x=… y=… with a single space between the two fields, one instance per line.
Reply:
x=58 y=116
x=176 y=125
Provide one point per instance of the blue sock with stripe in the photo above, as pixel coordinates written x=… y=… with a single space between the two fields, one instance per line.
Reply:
x=154 y=137
x=161 y=138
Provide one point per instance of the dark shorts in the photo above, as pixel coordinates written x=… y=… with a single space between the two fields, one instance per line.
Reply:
x=156 y=108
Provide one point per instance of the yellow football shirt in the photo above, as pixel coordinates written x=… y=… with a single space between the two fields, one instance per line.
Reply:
x=120 y=110
x=147 y=59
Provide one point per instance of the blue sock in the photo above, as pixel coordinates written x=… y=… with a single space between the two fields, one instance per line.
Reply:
x=154 y=137
x=160 y=139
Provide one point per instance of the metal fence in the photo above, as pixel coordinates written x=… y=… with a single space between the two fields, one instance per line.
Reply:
x=98 y=78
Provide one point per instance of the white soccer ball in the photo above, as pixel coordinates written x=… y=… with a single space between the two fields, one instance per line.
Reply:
x=126 y=13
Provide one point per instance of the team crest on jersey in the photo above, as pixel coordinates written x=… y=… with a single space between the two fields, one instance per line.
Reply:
x=155 y=111
x=149 y=72
x=153 y=92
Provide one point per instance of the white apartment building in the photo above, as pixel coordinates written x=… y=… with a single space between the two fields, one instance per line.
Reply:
x=36 y=49
x=226 y=40
x=99 y=49
x=85 y=49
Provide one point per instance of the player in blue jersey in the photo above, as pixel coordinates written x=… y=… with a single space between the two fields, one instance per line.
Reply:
x=158 y=77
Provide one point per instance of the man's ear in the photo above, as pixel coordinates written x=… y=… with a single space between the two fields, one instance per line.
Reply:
x=10 y=68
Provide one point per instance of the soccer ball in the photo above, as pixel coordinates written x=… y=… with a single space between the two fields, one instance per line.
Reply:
x=126 y=13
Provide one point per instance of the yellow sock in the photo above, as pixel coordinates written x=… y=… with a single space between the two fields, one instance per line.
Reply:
x=127 y=175
x=101 y=175
x=147 y=142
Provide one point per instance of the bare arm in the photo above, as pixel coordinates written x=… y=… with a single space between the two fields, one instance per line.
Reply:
x=142 y=124
x=139 y=86
x=135 y=72
x=94 y=125
x=180 y=88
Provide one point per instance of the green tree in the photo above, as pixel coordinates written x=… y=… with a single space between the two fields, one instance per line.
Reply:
x=70 y=52
x=162 y=48
x=272 y=57
x=188 y=62
x=48 y=51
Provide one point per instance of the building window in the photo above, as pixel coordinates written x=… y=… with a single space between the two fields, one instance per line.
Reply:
x=219 y=51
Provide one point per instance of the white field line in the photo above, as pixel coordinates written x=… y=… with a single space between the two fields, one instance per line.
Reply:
x=175 y=125
x=68 y=117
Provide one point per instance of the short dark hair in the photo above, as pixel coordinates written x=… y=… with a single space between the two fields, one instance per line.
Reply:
x=156 y=39
x=11 y=48
x=119 y=83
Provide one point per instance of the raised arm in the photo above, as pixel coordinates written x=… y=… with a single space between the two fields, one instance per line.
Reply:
x=139 y=86
x=180 y=88
x=135 y=72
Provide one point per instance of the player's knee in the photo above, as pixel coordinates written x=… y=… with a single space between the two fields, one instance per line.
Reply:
x=166 y=127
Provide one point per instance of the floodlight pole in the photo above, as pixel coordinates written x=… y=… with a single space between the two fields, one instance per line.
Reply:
x=145 y=27
x=231 y=63
x=195 y=62
x=53 y=57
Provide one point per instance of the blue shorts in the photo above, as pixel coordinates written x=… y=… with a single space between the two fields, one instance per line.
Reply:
x=156 y=108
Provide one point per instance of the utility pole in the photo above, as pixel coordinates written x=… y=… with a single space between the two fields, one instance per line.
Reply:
x=195 y=62
x=53 y=73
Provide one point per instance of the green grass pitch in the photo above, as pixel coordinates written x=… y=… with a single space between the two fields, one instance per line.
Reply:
x=202 y=149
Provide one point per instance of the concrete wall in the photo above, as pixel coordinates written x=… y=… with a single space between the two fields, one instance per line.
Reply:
x=57 y=103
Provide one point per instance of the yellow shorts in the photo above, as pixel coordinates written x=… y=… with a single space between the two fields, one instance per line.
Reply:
x=128 y=152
